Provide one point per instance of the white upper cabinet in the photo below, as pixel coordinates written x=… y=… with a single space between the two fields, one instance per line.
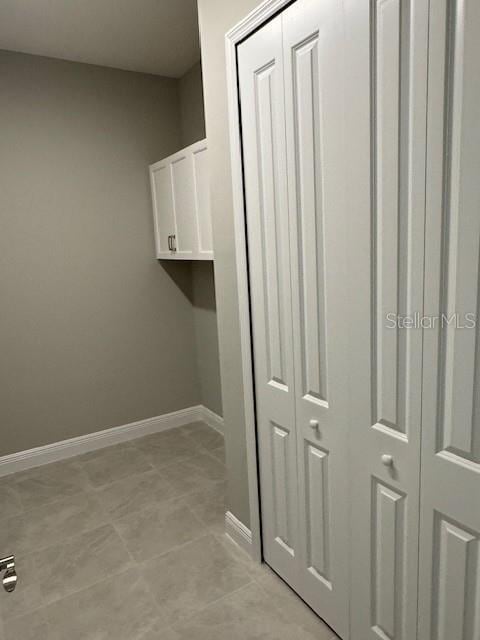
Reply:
x=181 y=205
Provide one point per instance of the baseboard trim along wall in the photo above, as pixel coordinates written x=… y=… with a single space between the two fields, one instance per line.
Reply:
x=212 y=419
x=238 y=532
x=98 y=440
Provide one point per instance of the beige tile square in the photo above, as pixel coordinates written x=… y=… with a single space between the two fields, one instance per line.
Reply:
x=166 y=447
x=159 y=440
x=203 y=435
x=254 y=569
x=27 y=596
x=219 y=453
x=158 y=528
x=32 y=626
x=113 y=463
x=42 y=527
x=42 y=485
x=193 y=474
x=247 y=614
x=187 y=579
x=80 y=562
x=159 y=632
x=10 y=503
x=135 y=493
x=119 y=608
x=293 y=607
x=209 y=506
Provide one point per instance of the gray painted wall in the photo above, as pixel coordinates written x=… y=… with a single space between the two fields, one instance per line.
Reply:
x=192 y=112
x=204 y=308
x=206 y=335
x=216 y=17
x=94 y=332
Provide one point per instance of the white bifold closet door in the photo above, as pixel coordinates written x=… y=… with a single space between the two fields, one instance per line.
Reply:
x=449 y=597
x=386 y=123
x=291 y=93
x=361 y=151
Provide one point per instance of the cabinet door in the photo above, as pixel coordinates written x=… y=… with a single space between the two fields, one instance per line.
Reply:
x=184 y=206
x=202 y=204
x=162 y=200
x=264 y=158
x=313 y=36
x=385 y=125
x=449 y=602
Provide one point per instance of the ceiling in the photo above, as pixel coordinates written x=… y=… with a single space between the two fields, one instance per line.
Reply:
x=151 y=36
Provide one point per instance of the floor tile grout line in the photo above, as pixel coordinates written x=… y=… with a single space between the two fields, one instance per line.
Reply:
x=137 y=474
x=109 y=518
x=204 y=530
x=180 y=498
x=75 y=592
x=48 y=503
x=206 y=534
x=201 y=450
x=213 y=603
x=61 y=543
x=136 y=565
x=89 y=489
x=297 y=598
x=64 y=539
x=203 y=534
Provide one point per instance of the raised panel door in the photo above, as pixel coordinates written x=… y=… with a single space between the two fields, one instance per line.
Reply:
x=261 y=86
x=314 y=77
x=385 y=125
x=449 y=599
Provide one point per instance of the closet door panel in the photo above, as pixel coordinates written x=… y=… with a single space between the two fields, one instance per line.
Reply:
x=387 y=59
x=450 y=500
x=264 y=158
x=313 y=38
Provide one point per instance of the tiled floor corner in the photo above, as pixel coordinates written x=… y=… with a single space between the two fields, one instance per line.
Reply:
x=127 y=543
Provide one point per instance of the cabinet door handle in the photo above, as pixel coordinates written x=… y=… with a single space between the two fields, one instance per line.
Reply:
x=170 y=242
x=174 y=243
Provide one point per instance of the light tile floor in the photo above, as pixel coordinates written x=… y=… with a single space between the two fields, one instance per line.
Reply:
x=127 y=543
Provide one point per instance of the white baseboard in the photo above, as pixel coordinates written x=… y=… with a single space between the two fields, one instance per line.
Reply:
x=238 y=532
x=98 y=440
x=212 y=419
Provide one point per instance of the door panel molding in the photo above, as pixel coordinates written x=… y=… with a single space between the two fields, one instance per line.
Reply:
x=394 y=260
x=388 y=566
x=459 y=432
x=456 y=581
x=318 y=513
x=272 y=274
x=310 y=224
x=281 y=445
